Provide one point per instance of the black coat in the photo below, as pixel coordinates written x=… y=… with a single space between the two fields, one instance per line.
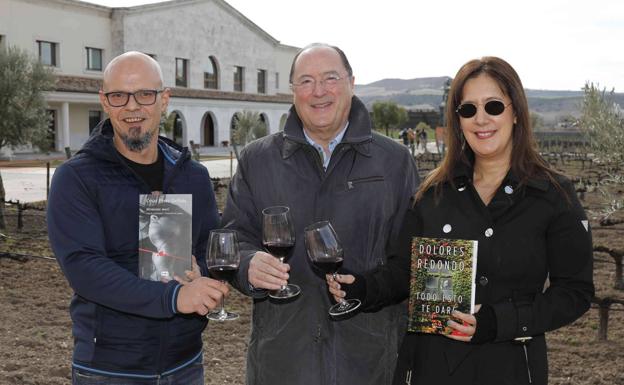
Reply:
x=365 y=193
x=534 y=268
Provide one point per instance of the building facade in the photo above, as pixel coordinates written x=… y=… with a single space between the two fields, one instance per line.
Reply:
x=216 y=62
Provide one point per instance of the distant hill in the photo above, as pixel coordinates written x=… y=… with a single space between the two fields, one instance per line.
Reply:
x=426 y=93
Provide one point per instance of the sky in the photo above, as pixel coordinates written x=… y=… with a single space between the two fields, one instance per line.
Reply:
x=552 y=44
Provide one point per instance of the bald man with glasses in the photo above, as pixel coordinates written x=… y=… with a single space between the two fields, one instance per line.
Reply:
x=129 y=330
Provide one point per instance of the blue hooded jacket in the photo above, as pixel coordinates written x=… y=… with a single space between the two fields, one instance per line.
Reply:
x=123 y=325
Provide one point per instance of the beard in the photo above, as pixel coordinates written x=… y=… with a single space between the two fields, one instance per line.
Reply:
x=136 y=142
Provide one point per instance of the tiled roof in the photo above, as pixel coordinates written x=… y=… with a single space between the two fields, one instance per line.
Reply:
x=66 y=83
x=77 y=84
x=224 y=95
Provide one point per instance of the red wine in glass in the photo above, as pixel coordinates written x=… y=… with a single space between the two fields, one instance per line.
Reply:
x=279 y=250
x=278 y=237
x=223 y=273
x=328 y=266
x=222 y=259
x=326 y=253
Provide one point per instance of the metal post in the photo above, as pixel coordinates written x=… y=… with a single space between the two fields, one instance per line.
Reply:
x=20 y=223
x=47 y=179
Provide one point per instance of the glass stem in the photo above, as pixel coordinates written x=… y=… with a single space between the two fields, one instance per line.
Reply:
x=342 y=303
x=283 y=288
x=222 y=312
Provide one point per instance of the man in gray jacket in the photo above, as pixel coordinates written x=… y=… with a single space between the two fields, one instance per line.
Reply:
x=327 y=164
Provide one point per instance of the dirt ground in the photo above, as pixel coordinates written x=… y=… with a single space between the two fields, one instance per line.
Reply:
x=35 y=329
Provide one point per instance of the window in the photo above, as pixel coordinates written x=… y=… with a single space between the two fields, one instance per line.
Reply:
x=94 y=119
x=277 y=80
x=238 y=78
x=94 y=59
x=211 y=75
x=181 y=72
x=47 y=52
x=261 y=81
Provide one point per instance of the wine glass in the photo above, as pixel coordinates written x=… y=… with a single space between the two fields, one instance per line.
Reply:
x=325 y=252
x=278 y=237
x=222 y=259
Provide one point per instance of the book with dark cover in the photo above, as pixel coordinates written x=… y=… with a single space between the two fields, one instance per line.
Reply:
x=442 y=280
x=165 y=235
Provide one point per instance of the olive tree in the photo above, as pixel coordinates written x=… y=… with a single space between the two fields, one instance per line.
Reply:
x=602 y=121
x=25 y=121
x=387 y=114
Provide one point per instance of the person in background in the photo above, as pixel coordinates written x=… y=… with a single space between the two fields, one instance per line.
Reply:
x=411 y=137
x=403 y=135
x=128 y=330
x=327 y=164
x=423 y=139
x=534 y=264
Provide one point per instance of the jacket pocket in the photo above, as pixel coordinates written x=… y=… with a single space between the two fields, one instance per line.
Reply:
x=122 y=340
x=405 y=361
x=353 y=183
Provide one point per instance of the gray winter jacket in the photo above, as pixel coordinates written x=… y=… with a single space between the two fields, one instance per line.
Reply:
x=365 y=193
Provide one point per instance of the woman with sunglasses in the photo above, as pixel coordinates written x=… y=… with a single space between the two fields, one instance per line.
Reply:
x=534 y=263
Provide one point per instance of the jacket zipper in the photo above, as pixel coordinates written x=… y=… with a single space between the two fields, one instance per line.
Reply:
x=317 y=159
x=168 y=176
x=351 y=183
x=524 y=341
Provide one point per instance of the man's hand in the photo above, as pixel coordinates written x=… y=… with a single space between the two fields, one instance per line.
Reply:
x=190 y=274
x=334 y=285
x=267 y=272
x=200 y=295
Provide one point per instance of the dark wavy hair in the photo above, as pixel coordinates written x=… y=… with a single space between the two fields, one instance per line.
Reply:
x=525 y=159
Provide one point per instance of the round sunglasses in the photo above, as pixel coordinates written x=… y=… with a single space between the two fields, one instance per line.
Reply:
x=493 y=108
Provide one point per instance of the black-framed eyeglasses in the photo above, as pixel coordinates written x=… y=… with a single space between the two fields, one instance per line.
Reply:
x=307 y=84
x=493 y=108
x=142 y=97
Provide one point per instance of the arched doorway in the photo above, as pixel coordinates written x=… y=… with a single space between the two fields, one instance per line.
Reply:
x=177 y=133
x=265 y=119
x=208 y=130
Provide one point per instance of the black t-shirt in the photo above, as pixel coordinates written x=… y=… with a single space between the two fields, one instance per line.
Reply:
x=152 y=174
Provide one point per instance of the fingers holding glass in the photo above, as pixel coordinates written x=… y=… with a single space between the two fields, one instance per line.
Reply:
x=326 y=254
x=278 y=238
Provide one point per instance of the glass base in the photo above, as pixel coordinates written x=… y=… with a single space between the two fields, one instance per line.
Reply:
x=222 y=316
x=344 y=307
x=288 y=291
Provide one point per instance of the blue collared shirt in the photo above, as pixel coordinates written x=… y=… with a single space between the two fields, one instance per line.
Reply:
x=332 y=145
